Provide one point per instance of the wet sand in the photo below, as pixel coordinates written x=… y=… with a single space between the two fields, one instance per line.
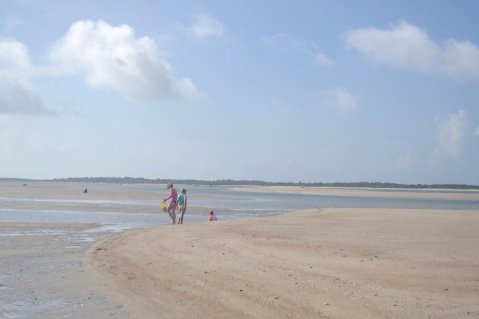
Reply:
x=70 y=197
x=42 y=262
x=331 y=263
x=43 y=274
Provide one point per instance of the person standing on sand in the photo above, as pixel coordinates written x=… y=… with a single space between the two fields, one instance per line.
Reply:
x=182 y=203
x=173 y=200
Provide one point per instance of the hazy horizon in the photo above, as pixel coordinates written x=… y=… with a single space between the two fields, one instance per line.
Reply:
x=125 y=179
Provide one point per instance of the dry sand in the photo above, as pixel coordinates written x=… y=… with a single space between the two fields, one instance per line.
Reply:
x=331 y=263
x=366 y=192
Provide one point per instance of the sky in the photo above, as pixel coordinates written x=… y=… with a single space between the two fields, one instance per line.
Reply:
x=310 y=91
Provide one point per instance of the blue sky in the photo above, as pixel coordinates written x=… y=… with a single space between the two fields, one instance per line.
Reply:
x=305 y=91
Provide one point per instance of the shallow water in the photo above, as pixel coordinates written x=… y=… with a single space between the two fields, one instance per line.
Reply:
x=39 y=264
x=144 y=212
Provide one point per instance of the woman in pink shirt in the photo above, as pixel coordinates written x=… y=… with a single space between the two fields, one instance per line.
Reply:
x=173 y=200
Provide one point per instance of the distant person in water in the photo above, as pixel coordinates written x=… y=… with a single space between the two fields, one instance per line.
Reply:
x=182 y=204
x=173 y=201
x=212 y=217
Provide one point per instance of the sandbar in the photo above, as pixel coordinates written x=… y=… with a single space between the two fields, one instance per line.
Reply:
x=435 y=194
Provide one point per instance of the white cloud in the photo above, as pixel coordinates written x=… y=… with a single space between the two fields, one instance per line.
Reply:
x=17 y=96
x=206 y=26
x=409 y=46
x=112 y=57
x=339 y=99
x=13 y=54
x=451 y=133
x=20 y=98
x=477 y=131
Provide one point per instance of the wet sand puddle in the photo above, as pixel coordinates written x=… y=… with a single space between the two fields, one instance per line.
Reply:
x=42 y=272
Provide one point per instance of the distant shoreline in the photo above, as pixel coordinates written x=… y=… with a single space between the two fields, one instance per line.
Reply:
x=432 y=194
x=229 y=182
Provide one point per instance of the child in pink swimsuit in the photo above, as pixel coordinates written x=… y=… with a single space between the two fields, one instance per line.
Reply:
x=212 y=217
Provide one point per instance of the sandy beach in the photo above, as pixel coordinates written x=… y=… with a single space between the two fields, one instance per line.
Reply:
x=366 y=192
x=322 y=263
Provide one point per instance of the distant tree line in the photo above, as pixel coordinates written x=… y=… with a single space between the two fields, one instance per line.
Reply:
x=230 y=182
